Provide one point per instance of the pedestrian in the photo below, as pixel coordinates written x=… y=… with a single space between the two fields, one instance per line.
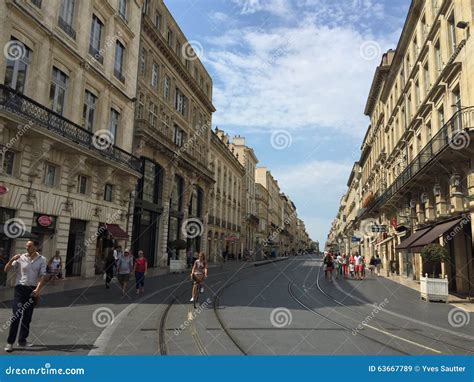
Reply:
x=352 y=270
x=357 y=266
x=339 y=263
x=198 y=274
x=328 y=262
x=55 y=264
x=124 y=268
x=141 y=266
x=109 y=268
x=30 y=268
x=378 y=264
x=372 y=265
x=345 y=265
x=189 y=258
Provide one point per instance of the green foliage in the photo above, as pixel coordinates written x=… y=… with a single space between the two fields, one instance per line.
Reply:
x=435 y=252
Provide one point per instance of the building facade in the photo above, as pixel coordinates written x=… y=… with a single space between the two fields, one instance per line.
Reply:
x=250 y=221
x=262 y=208
x=66 y=126
x=172 y=138
x=417 y=179
x=225 y=200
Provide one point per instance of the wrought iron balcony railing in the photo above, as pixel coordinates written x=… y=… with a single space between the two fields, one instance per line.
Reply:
x=66 y=27
x=454 y=133
x=20 y=105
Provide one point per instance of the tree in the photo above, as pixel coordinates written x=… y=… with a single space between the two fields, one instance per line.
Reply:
x=434 y=253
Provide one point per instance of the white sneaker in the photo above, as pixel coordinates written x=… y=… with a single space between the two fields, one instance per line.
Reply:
x=8 y=348
x=192 y=299
x=202 y=290
x=25 y=345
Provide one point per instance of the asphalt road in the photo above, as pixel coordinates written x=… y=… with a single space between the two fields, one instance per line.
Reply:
x=283 y=308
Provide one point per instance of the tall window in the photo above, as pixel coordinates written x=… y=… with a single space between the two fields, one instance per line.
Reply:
x=88 y=112
x=57 y=92
x=17 y=65
x=154 y=75
x=122 y=9
x=426 y=79
x=50 y=175
x=440 y=117
x=158 y=21
x=108 y=192
x=178 y=48
x=114 y=123
x=118 y=64
x=438 y=60
x=81 y=184
x=8 y=162
x=95 y=38
x=141 y=106
x=178 y=136
x=142 y=61
x=166 y=88
x=417 y=93
x=452 y=34
x=153 y=114
x=169 y=38
x=151 y=182
x=66 y=16
x=180 y=103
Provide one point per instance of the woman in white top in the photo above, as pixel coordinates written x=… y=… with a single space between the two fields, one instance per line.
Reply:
x=55 y=264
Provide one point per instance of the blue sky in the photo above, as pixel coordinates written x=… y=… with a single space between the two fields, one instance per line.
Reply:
x=292 y=76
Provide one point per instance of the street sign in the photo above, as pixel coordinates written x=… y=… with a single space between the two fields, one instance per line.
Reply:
x=44 y=221
x=3 y=190
x=355 y=239
x=379 y=228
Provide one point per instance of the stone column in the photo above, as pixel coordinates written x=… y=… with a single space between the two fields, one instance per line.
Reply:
x=441 y=203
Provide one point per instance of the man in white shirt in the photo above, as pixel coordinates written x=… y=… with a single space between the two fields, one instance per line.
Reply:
x=30 y=270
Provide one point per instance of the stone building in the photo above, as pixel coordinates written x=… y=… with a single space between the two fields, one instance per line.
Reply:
x=172 y=139
x=225 y=199
x=66 y=125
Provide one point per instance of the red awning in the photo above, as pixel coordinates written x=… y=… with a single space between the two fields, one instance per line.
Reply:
x=116 y=231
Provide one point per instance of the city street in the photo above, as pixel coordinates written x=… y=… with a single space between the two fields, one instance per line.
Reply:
x=285 y=308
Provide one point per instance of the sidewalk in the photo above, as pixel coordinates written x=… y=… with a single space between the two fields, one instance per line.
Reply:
x=459 y=302
x=72 y=283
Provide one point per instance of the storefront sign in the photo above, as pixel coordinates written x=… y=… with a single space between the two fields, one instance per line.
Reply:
x=3 y=190
x=355 y=239
x=45 y=221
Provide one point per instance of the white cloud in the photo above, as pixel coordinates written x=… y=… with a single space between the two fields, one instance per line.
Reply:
x=276 y=7
x=302 y=77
